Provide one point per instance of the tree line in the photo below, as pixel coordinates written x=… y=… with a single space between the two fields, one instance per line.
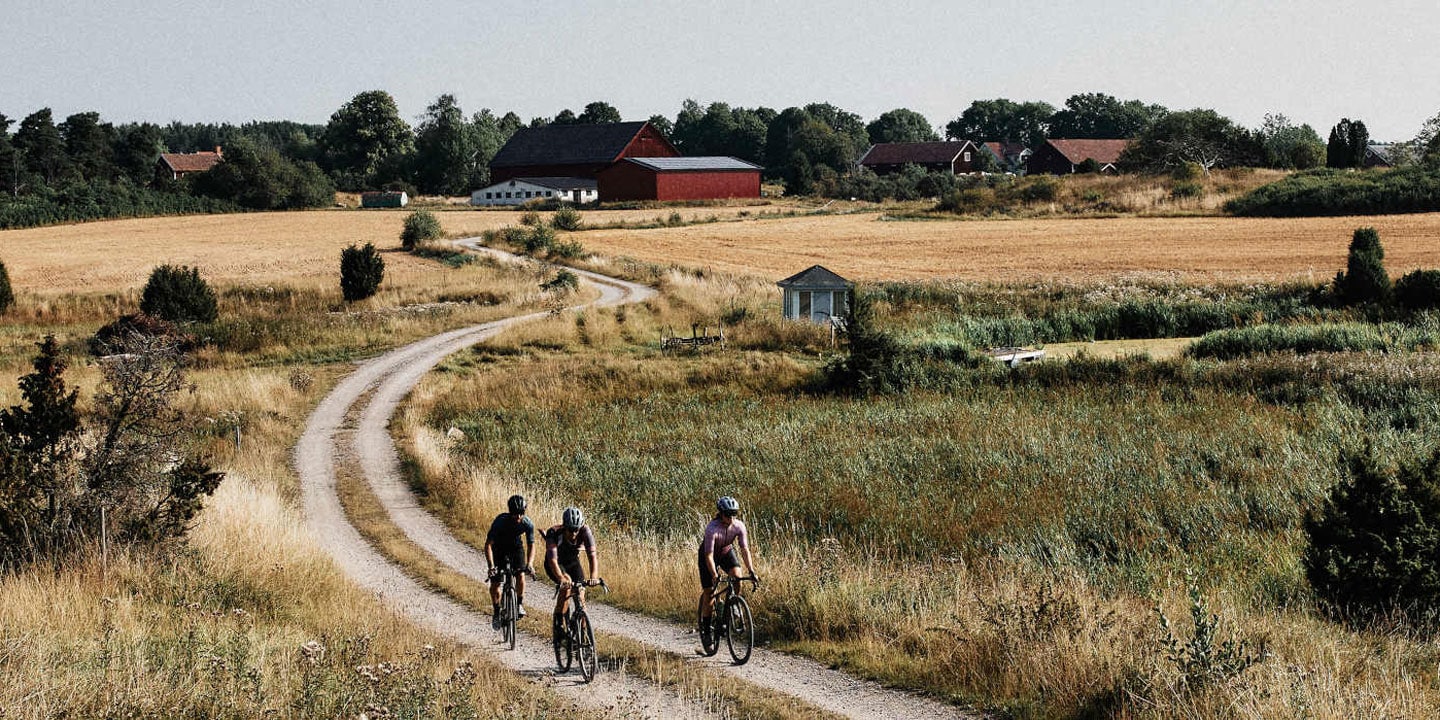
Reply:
x=367 y=144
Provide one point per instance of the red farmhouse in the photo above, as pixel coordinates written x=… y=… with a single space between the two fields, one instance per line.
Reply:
x=1062 y=157
x=679 y=178
x=576 y=151
x=955 y=157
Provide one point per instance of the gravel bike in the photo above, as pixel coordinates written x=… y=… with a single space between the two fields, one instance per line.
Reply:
x=730 y=618
x=574 y=639
x=510 y=604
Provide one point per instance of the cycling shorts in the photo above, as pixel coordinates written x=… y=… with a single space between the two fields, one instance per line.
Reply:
x=572 y=569
x=724 y=562
x=511 y=558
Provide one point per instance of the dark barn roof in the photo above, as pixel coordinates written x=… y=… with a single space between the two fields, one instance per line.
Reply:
x=567 y=144
x=1105 y=152
x=684 y=164
x=919 y=153
x=815 y=276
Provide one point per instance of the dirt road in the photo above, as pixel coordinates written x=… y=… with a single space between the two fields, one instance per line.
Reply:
x=375 y=391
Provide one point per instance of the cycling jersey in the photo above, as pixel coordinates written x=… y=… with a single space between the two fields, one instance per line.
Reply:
x=566 y=553
x=719 y=539
x=506 y=535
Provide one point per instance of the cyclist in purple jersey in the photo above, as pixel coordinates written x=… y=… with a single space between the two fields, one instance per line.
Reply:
x=723 y=536
x=563 y=543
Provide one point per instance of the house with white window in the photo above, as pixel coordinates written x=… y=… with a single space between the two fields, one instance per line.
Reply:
x=520 y=190
x=815 y=294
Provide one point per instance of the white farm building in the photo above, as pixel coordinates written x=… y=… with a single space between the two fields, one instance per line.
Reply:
x=519 y=191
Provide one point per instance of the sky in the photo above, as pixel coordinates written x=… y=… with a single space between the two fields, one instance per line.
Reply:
x=1314 y=61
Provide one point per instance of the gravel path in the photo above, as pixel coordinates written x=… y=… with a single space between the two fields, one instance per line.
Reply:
x=392 y=377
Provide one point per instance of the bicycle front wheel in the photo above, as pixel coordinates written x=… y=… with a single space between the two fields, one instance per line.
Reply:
x=585 y=648
x=740 y=635
x=507 y=620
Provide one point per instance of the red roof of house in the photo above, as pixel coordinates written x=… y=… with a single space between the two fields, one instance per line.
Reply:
x=918 y=153
x=1000 y=149
x=190 y=162
x=1105 y=152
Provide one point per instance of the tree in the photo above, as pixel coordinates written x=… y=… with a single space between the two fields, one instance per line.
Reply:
x=178 y=294
x=7 y=295
x=38 y=441
x=662 y=125
x=1373 y=547
x=1002 y=120
x=360 y=143
x=1364 y=279
x=565 y=117
x=9 y=159
x=1097 y=115
x=41 y=148
x=89 y=144
x=1201 y=136
x=258 y=177
x=446 y=150
x=137 y=147
x=1289 y=146
x=1348 y=141
x=598 y=112
x=720 y=130
x=361 y=272
x=901 y=125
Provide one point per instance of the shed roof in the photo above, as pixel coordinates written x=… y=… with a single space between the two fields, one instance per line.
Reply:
x=567 y=144
x=191 y=162
x=815 y=276
x=558 y=183
x=1105 y=152
x=684 y=164
x=917 y=152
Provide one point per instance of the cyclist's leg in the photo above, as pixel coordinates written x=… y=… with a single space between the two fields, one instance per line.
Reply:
x=562 y=598
x=707 y=586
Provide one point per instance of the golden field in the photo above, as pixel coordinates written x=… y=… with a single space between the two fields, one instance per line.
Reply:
x=864 y=246
x=241 y=249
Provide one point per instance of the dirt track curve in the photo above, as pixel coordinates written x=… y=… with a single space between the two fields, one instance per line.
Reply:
x=383 y=383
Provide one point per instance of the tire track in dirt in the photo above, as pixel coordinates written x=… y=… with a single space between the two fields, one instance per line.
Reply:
x=808 y=680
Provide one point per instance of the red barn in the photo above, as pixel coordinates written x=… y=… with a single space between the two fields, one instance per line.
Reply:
x=1062 y=157
x=576 y=151
x=679 y=178
x=954 y=157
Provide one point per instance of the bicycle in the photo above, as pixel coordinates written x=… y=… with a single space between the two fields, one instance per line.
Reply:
x=575 y=637
x=730 y=617
x=509 y=602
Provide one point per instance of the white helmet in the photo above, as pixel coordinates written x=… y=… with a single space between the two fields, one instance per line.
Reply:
x=572 y=518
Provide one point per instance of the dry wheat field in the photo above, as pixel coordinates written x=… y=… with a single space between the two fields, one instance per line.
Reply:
x=864 y=246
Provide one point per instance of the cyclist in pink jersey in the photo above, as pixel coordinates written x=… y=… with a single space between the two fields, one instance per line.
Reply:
x=723 y=536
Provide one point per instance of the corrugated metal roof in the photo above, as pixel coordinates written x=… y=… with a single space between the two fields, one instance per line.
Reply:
x=681 y=164
x=815 y=276
x=567 y=144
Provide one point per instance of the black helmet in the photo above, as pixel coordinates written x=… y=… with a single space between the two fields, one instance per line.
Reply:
x=573 y=518
x=728 y=506
x=516 y=504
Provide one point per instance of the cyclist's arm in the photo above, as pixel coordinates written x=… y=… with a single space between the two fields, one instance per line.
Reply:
x=489 y=555
x=591 y=555
x=743 y=540
x=552 y=560
x=529 y=543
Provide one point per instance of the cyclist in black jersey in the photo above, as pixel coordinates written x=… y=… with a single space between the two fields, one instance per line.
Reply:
x=562 y=559
x=510 y=544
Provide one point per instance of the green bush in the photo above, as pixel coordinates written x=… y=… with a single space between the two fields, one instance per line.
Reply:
x=970 y=200
x=1364 y=279
x=178 y=294
x=1339 y=192
x=567 y=250
x=260 y=178
x=1042 y=188
x=7 y=295
x=1418 y=290
x=112 y=336
x=563 y=283
x=1188 y=172
x=540 y=239
x=566 y=218
x=420 y=226
x=361 y=272
x=530 y=218
x=1187 y=189
x=100 y=200
x=1373 y=547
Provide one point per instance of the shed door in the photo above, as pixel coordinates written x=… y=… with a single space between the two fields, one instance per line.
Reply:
x=804 y=304
x=821 y=311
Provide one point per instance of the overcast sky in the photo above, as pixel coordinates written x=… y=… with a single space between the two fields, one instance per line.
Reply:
x=206 y=60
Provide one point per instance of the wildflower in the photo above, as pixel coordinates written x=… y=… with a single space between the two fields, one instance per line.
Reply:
x=367 y=672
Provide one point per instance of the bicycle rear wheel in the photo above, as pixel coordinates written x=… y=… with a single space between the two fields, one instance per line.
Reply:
x=564 y=651
x=507 y=619
x=713 y=645
x=740 y=635
x=585 y=647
